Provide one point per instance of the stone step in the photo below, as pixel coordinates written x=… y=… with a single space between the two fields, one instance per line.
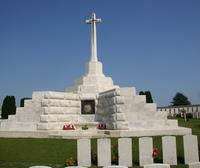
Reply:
x=150 y=106
x=28 y=103
x=60 y=103
x=11 y=117
x=18 y=126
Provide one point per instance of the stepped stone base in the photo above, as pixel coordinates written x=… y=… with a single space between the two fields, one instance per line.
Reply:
x=75 y=134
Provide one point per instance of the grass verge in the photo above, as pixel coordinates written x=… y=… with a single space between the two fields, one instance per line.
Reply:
x=26 y=152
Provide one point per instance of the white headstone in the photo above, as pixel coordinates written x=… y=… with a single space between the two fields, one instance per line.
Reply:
x=157 y=166
x=104 y=152
x=191 y=152
x=84 y=152
x=169 y=150
x=194 y=165
x=145 y=151
x=125 y=151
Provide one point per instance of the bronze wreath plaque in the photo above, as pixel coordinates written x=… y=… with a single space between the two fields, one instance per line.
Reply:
x=88 y=107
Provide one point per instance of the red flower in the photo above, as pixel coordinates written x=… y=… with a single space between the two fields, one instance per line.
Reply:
x=102 y=126
x=155 y=152
x=113 y=146
x=155 y=149
x=69 y=127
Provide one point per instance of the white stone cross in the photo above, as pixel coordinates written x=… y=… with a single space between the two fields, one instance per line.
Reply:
x=93 y=22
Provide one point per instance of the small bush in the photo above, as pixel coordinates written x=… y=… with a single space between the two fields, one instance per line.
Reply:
x=8 y=107
x=114 y=158
x=189 y=115
x=71 y=162
x=178 y=115
x=94 y=158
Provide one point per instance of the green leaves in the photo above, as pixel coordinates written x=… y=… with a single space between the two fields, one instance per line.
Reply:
x=8 y=107
x=180 y=99
x=148 y=96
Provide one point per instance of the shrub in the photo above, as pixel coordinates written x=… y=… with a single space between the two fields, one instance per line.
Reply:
x=8 y=107
x=115 y=156
x=189 y=115
x=178 y=115
x=94 y=158
x=71 y=162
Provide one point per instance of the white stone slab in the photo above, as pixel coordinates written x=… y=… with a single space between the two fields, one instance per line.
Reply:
x=115 y=166
x=104 y=152
x=194 y=165
x=145 y=151
x=84 y=152
x=157 y=166
x=125 y=151
x=169 y=150
x=60 y=103
x=75 y=167
x=191 y=153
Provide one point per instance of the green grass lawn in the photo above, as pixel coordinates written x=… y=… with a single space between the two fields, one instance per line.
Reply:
x=191 y=123
x=26 y=152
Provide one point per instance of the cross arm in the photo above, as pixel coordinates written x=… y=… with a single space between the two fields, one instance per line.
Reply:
x=93 y=20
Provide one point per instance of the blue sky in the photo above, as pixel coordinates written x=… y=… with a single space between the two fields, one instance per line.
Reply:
x=149 y=44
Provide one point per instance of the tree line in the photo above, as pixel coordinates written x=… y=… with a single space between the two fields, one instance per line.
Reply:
x=178 y=100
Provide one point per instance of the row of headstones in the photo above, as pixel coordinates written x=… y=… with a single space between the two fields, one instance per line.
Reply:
x=192 y=165
x=191 y=153
x=146 y=166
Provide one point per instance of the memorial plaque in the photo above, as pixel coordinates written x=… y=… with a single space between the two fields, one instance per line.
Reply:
x=87 y=107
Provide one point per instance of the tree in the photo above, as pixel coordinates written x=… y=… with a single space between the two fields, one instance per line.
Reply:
x=148 y=97
x=8 y=107
x=180 y=99
x=141 y=93
x=22 y=101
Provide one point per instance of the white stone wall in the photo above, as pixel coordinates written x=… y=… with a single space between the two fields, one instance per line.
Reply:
x=110 y=110
x=26 y=117
x=122 y=109
x=60 y=108
x=173 y=111
x=94 y=81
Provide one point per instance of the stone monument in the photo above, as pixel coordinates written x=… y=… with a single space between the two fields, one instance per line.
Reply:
x=94 y=107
